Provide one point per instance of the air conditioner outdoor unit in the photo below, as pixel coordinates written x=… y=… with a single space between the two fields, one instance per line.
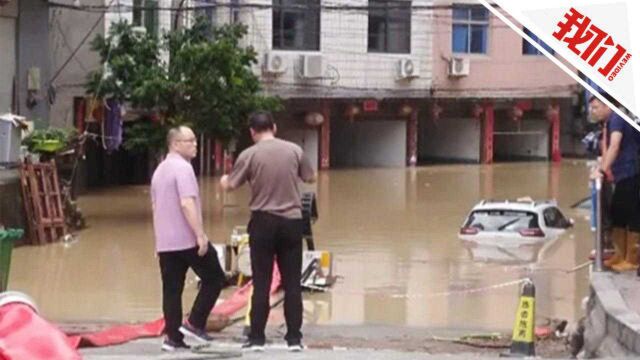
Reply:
x=274 y=63
x=312 y=66
x=458 y=67
x=139 y=30
x=408 y=68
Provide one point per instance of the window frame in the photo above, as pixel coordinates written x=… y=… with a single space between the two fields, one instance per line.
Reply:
x=469 y=22
x=278 y=6
x=210 y=12
x=234 y=12
x=387 y=34
x=527 y=45
x=140 y=17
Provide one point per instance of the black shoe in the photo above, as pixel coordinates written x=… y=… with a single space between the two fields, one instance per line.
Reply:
x=170 y=345
x=254 y=346
x=197 y=334
x=295 y=346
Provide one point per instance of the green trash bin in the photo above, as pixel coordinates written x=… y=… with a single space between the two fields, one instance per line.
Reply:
x=7 y=238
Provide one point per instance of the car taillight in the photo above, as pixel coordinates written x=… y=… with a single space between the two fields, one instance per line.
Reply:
x=532 y=232
x=469 y=231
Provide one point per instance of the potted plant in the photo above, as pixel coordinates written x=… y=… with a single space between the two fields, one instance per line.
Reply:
x=48 y=142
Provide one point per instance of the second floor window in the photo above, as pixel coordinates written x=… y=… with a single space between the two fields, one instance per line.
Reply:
x=209 y=13
x=296 y=24
x=147 y=17
x=234 y=11
x=389 y=26
x=470 y=29
x=528 y=49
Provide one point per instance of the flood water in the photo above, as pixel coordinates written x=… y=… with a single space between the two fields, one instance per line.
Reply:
x=392 y=232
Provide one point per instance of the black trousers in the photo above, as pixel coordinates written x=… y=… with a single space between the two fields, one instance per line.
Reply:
x=173 y=267
x=625 y=204
x=271 y=235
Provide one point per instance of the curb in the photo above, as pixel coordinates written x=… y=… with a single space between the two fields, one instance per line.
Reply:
x=621 y=323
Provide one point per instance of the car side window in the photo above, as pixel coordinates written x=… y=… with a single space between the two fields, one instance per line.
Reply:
x=553 y=218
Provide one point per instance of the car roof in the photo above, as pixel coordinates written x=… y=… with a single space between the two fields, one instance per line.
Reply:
x=522 y=204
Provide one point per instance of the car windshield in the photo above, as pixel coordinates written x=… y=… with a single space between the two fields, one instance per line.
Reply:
x=502 y=220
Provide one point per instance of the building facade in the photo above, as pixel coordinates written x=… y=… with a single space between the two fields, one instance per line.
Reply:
x=361 y=69
x=496 y=97
x=368 y=82
x=8 y=57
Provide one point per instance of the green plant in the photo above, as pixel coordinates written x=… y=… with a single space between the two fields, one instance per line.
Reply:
x=144 y=135
x=208 y=82
x=48 y=140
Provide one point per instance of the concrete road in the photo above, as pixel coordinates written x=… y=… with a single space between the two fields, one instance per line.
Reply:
x=150 y=349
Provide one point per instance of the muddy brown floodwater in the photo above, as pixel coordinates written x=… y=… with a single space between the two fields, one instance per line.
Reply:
x=393 y=234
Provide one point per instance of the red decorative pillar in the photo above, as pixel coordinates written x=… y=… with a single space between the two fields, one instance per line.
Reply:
x=228 y=162
x=80 y=112
x=487 y=136
x=553 y=115
x=412 y=138
x=218 y=154
x=325 y=137
x=554 y=181
x=486 y=176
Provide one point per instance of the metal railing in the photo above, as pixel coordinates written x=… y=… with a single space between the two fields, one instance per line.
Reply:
x=596 y=221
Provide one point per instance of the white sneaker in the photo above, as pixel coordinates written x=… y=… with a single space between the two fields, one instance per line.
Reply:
x=295 y=347
x=250 y=346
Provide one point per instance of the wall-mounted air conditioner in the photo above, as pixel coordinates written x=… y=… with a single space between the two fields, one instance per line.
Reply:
x=312 y=66
x=408 y=68
x=274 y=63
x=459 y=67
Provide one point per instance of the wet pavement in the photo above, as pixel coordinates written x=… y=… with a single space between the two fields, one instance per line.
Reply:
x=332 y=342
x=393 y=233
x=143 y=350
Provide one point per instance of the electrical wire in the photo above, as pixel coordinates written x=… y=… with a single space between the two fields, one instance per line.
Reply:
x=324 y=7
x=75 y=51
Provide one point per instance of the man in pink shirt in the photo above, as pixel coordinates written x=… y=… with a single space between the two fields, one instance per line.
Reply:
x=181 y=242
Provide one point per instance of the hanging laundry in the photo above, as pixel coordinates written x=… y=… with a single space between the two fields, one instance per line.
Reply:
x=112 y=126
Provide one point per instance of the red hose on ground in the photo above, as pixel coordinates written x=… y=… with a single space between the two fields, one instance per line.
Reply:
x=125 y=333
x=25 y=335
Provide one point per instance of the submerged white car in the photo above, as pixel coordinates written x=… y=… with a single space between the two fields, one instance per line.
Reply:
x=523 y=220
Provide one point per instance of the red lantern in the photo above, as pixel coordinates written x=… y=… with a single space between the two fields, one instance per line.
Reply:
x=516 y=113
x=552 y=112
x=370 y=105
x=436 y=110
x=405 y=110
x=476 y=111
x=313 y=119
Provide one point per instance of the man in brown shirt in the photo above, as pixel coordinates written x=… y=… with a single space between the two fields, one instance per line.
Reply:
x=273 y=168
